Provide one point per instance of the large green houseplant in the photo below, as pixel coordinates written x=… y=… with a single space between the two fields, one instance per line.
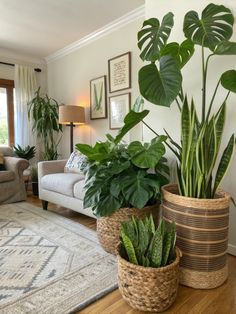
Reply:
x=200 y=167
x=43 y=111
x=148 y=264
x=119 y=183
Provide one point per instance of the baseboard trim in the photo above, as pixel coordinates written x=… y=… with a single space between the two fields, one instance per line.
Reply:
x=232 y=249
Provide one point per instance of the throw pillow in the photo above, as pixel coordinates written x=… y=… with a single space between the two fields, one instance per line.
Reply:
x=76 y=163
x=2 y=165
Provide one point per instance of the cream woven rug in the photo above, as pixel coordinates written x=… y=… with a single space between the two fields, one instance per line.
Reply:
x=49 y=264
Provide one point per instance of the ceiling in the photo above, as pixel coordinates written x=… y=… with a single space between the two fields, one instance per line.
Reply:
x=40 y=27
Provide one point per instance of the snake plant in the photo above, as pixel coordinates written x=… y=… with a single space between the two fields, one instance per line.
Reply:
x=142 y=243
x=200 y=168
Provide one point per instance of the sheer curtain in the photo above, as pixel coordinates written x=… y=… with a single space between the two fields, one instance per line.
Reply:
x=25 y=87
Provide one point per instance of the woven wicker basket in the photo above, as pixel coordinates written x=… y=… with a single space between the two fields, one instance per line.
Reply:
x=108 y=228
x=202 y=236
x=146 y=288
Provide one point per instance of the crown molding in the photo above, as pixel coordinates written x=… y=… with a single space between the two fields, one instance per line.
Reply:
x=101 y=32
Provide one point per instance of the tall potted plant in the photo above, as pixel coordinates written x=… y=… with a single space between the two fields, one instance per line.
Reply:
x=44 y=113
x=119 y=183
x=199 y=208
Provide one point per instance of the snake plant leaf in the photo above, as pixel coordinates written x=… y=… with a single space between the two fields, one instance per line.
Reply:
x=228 y=80
x=160 y=87
x=156 y=248
x=214 y=26
x=130 y=120
x=225 y=48
x=143 y=237
x=138 y=104
x=147 y=155
x=166 y=248
x=224 y=162
x=153 y=37
x=181 y=53
x=130 y=229
x=129 y=248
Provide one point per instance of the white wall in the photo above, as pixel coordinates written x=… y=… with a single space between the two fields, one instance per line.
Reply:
x=160 y=118
x=69 y=79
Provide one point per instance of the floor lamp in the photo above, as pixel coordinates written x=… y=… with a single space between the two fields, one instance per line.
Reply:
x=71 y=115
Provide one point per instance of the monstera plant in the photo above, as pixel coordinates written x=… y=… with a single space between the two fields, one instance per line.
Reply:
x=161 y=83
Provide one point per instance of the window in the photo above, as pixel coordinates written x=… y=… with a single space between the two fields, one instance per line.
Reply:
x=6 y=112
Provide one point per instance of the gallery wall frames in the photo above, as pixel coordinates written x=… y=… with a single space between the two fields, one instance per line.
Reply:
x=98 y=98
x=119 y=70
x=119 y=106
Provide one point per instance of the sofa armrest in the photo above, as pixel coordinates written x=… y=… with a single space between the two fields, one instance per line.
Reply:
x=17 y=165
x=52 y=166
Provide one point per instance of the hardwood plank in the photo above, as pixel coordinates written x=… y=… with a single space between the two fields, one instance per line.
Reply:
x=221 y=300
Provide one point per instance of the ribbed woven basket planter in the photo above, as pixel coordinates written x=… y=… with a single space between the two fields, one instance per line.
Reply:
x=108 y=228
x=146 y=288
x=202 y=236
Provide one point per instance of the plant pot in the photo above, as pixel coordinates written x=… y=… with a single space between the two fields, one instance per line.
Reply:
x=146 y=288
x=202 y=236
x=108 y=228
x=35 y=188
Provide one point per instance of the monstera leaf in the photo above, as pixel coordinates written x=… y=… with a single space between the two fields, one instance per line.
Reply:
x=147 y=155
x=160 y=87
x=226 y=48
x=181 y=53
x=228 y=80
x=215 y=26
x=153 y=37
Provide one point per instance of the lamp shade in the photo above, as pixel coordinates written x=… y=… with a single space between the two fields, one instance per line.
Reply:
x=68 y=114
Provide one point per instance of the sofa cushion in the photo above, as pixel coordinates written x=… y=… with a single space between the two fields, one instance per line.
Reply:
x=62 y=183
x=76 y=163
x=2 y=162
x=7 y=175
x=78 y=190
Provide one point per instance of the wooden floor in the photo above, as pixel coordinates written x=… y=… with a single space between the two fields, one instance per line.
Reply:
x=221 y=300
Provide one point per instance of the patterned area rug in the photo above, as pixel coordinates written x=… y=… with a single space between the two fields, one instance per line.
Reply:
x=49 y=264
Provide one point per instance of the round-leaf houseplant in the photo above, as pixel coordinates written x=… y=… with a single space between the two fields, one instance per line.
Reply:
x=119 y=183
x=148 y=264
x=44 y=113
x=200 y=167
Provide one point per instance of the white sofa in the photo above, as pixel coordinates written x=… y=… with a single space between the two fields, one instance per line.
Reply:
x=62 y=188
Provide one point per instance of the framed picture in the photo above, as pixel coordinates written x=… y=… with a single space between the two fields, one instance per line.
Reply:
x=119 y=106
x=119 y=70
x=98 y=98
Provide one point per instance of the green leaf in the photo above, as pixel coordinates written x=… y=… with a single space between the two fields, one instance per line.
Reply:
x=108 y=204
x=153 y=37
x=129 y=248
x=156 y=248
x=225 y=48
x=130 y=120
x=215 y=26
x=131 y=230
x=181 y=53
x=138 y=105
x=160 y=87
x=137 y=189
x=228 y=80
x=143 y=237
x=224 y=162
x=147 y=155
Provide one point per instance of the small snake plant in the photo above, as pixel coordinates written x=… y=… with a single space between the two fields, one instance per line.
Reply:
x=142 y=243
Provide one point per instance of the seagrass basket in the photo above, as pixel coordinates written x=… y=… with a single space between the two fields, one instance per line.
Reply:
x=108 y=228
x=148 y=289
x=202 y=236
